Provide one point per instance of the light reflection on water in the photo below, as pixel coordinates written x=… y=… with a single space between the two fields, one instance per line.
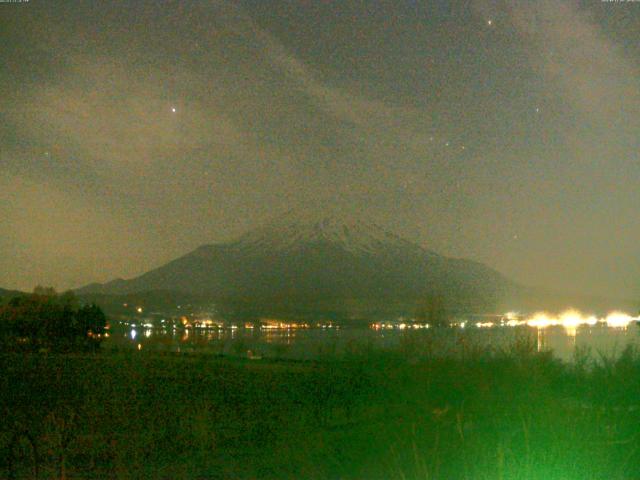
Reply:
x=309 y=343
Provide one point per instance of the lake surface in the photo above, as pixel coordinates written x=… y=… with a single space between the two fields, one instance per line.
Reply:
x=315 y=342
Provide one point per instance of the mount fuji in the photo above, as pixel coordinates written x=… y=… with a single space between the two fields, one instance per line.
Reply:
x=330 y=261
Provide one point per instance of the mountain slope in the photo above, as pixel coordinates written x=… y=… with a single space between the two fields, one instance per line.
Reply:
x=319 y=260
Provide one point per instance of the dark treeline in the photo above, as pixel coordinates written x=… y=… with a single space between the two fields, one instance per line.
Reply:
x=48 y=321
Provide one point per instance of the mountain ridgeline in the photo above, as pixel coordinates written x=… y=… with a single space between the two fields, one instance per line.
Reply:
x=323 y=264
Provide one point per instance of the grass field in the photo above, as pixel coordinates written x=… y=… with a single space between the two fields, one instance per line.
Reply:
x=514 y=414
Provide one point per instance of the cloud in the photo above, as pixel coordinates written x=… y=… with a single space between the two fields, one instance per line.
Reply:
x=574 y=53
x=340 y=103
x=50 y=236
x=119 y=116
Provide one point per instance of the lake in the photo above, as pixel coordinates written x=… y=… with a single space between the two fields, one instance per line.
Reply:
x=313 y=342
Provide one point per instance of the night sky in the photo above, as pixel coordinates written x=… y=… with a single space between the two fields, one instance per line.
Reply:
x=505 y=132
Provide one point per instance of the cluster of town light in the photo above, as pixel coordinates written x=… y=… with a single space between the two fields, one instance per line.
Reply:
x=569 y=319
x=399 y=326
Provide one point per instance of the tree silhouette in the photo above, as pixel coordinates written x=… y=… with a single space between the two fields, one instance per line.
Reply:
x=45 y=320
x=433 y=310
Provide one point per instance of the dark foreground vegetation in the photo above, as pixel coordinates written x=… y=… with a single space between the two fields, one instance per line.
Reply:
x=514 y=414
x=45 y=321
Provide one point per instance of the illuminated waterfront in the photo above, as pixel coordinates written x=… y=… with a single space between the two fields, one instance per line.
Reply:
x=561 y=333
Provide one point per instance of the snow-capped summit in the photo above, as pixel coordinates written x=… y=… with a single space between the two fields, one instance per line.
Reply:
x=315 y=262
x=297 y=229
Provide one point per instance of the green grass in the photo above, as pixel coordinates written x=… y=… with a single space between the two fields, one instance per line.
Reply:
x=477 y=414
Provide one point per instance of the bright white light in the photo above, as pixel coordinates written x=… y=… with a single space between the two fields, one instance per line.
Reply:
x=133 y=334
x=619 y=320
x=173 y=109
x=541 y=320
x=591 y=320
x=572 y=319
x=484 y=324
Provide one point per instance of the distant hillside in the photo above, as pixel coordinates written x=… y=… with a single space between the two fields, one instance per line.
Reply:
x=150 y=301
x=326 y=262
